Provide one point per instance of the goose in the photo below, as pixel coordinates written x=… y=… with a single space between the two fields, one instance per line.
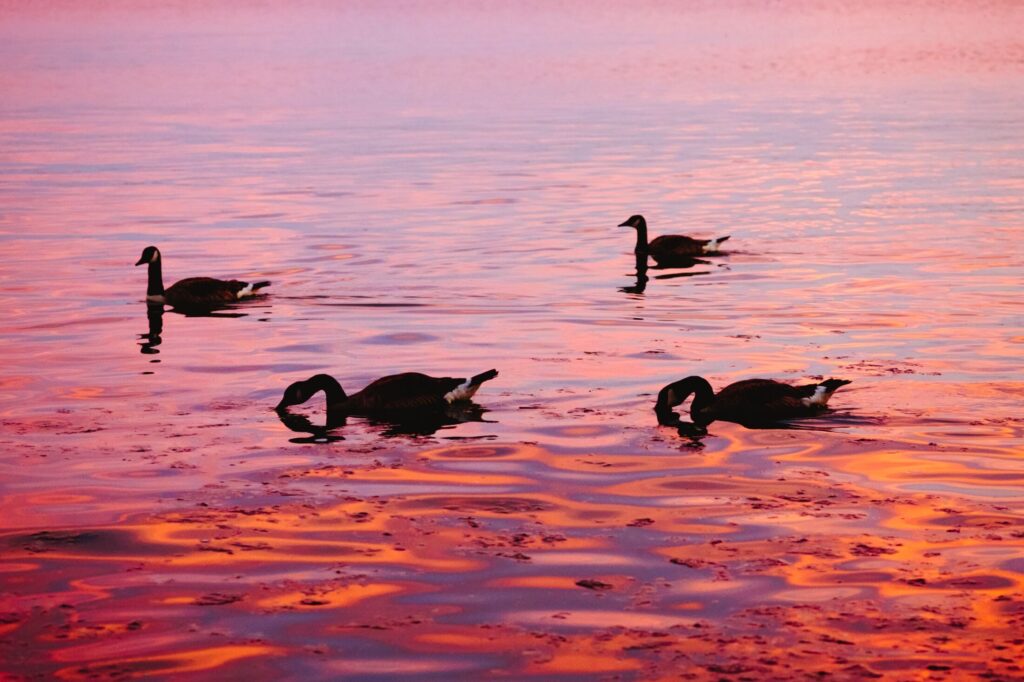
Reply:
x=407 y=393
x=197 y=292
x=670 y=248
x=752 y=401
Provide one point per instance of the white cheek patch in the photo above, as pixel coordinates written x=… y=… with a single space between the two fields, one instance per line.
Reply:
x=247 y=291
x=820 y=397
x=155 y=257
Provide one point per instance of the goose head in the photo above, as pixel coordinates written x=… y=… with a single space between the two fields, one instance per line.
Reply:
x=635 y=221
x=296 y=394
x=668 y=398
x=150 y=254
x=301 y=391
x=676 y=393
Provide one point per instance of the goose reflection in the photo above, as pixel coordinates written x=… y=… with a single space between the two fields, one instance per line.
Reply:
x=430 y=423
x=642 y=266
x=641 y=276
x=300 y=423
x=693 y=435
x=149 y=341
x=412 y=425
x=684 y=265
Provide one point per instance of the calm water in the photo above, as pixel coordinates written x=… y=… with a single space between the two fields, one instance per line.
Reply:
x=436 y=187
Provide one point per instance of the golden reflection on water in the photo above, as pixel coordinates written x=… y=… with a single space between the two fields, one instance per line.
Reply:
x=679 y=562
x=180 y=663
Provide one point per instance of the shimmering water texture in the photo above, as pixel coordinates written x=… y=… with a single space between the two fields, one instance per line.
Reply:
x=437 y=187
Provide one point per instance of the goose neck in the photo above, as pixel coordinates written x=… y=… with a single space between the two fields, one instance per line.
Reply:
x=156 y=279
x=641 y=237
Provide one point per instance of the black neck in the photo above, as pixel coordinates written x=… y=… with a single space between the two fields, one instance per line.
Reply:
x=641 y=237
x=330 y=386
x=156 y=278
x=677 y=393
x=703 y=396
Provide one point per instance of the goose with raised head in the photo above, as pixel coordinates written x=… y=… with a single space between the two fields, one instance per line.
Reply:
x=406 y=393
x=752 y=401
x=670 y=248
x=193 y=292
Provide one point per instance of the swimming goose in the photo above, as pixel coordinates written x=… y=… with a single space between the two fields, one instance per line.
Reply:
x=670 y=248
x=199 y=292
x=752 y=401
x=409 y=392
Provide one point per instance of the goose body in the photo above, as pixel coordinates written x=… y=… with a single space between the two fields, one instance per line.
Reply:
x=406 y=393
x=194 y=292
x=670 y=248
x=752 y=401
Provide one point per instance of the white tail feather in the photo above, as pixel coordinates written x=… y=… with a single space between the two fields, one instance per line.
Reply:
x=820 y=397
x=713 y=245
x=463 y=391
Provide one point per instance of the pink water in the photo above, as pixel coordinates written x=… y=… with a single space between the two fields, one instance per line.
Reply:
x=436 y=187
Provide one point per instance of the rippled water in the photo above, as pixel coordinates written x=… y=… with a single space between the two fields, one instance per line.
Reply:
x=436 y=187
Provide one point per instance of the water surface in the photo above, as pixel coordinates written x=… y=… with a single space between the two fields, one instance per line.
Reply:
x=436 y=187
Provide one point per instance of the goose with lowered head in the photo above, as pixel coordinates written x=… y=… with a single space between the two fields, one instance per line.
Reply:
x=752 y=401
x=407 y=393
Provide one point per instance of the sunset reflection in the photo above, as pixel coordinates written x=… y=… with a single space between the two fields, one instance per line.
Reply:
x=437 y=187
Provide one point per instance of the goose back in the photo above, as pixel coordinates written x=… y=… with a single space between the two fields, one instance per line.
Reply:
x=669 y=246
x=757 y=400
x=203 y=291
x=409 y=391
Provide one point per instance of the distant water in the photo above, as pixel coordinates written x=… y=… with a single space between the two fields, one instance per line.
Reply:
x=436 y=187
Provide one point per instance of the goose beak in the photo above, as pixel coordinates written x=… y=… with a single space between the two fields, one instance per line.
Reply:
x=625 y=224
x=140 y=262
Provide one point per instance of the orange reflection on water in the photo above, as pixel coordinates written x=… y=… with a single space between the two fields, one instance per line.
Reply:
x=329 y=597
x=192 y=661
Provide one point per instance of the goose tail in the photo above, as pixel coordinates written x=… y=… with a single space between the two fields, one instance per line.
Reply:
x=251 y=289
x=832 y=384
x=468 y=388
x=713 y=244
x=824 y=391
x=483 y=376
